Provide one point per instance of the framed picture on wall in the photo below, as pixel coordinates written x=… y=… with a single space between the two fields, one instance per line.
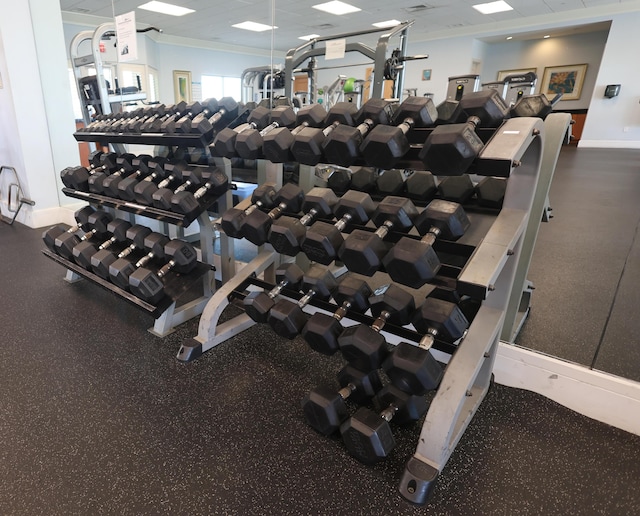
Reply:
x=519 y=71
x=182 y=85
x=426 y=75
x=567 y=80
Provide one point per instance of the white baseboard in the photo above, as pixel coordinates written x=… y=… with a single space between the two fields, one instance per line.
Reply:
x=38 y=218
x=600 y=396
x=609 y=144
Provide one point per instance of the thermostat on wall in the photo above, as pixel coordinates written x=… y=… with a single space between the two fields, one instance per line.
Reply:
x=612 y=90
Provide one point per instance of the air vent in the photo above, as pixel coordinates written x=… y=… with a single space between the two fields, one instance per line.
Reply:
x=80 y=10
x=418 y=8
x=324 y=26
x=455 y=25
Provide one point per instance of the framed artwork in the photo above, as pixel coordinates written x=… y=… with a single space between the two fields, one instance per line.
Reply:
x=426 y=75
x=182 y=85
x=519 y=71
x=566 y=79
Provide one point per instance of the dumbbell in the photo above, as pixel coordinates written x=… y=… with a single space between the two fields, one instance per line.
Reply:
x=421 y=186
x=385 y=145
x=120 y=270
x=224 y=144
x=368 y=436
x=321 y=331
x=148 y=112
x=227 y=110
x=148 y=285
x=412 y=368
x=188 y=204
x=154 y=124
x=450 y=149
x=307 y=146
x=457 y=188
x=323 y=240
x=358 y=178
x=490 y=192
x=258 y=304
x=287 y=233
x=363 y=346
x=325 y=409
x=249 y=143
x=122 y=165
x=111 y=184
x=257 y=224
x=96 y=225
x=77 y=178
x=190 y=177
x=192 y=122
x=537 y=105
x=287 y=318
x=232 y=220
x=141 y=185
x=122 y=119
x=363 y=251
x=392 y=181
x=82 y=217
x=168 y=124
x=102 y=261
x=342 y=146
x=413 y=262
x=276 y=143
x=83 y=252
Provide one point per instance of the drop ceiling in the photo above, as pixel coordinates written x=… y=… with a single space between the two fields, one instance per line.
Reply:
x=213 y=19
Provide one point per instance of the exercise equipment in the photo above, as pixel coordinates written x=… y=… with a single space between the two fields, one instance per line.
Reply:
x=224 y=144
x=325 y=409
x=232 y=220
x=363 y=251
x=249 y=143
x=188 y=204
x=82 y=217
x=84 y=251
x=122 y=268
x=111 y=183
x=412 y=368
x=258 y=304
x=363 y=346
x=96 y=224
x=413 y=262
x=385 y=145
x=323 y=241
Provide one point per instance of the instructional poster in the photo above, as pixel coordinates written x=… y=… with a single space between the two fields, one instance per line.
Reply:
x=127 y=38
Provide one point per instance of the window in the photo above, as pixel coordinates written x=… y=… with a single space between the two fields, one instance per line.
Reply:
x=218 y=86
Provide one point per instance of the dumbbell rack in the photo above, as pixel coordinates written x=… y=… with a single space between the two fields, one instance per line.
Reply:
x=167 y=313
x=514 y=151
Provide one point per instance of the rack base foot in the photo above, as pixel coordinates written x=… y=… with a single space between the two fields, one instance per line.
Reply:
x=71 y=277
x=418 y=481
x=189 y=350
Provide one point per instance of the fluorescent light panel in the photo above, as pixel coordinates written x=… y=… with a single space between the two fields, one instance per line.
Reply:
x=547 y=36
x=336 y=7
x=254 y=26
x=493 y=7
x=164 y=8
x=388 y=23
x=309 y=37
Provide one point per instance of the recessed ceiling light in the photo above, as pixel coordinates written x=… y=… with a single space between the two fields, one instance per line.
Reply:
x=164 y=8
x=388 y=23
x=255 y=27
x=509 y=37
x=309 y=36
x=546 y=36
x=493 y=7
x=336 y=7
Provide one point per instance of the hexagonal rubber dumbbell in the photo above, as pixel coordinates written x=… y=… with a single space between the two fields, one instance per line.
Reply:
x=385 y=145
x=188 y=204
x=368 y=436
x=287 y=233
x=421 y=186
x=363 y=346
x=307 y=147
x=120 y=270
x=276 y=144
x=363 y=251
x=257 y=224
x=232 y=220
x=411 y=367
x=83 y=252
x=450 y=149
x=287 y=318
x=249 y=143
x=224 y=144
x=457 y=188
x=413 y=262
x=96 y=225
x=490 y=192
x=321 y=331
x=323 y=241
x=325 y=409
x=342 y=146
x=82 y=217
x=258 y=304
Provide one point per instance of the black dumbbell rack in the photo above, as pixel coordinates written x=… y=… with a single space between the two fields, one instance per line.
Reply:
x=169 y=140
x=486 y=274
